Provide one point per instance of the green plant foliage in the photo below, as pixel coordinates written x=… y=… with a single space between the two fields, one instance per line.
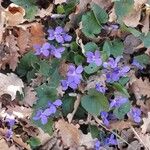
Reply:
x=94 y=102
x=45 y=93
x=60 y=9
x=121 y=89
x=34 y=142
x=143 y=59
x=90 y=26
x=29 y=6
x=91 y=68
x=27 y=63
x=124 y=80
x=48 y=128
x=114 y=48
x=122 y=110
x=123 y=7
x=100 y=14
x=78 y=59
x=146 y=39
x=91 y=46
x=94 y=131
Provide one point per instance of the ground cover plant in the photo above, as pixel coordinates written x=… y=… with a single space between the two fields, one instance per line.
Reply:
x=75 y=75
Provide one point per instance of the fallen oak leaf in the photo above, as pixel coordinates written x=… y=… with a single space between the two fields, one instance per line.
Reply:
x=72 y=137
x=30 y=96
x=10 y=84
x=59 y=1
x=14 y=14
x=146 y=124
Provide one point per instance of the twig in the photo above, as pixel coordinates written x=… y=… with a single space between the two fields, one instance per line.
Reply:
x=55 y=16
x=100 y=123
x=139 y=138
x=76 y=105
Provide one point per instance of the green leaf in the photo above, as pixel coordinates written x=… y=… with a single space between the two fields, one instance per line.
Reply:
x=45 y=93
x=143 y=59
x=124 y=80
x=94 y=131
x=114 y=48
x=123 y=7
x=90 y=26
x=78 y=59
x=48 y=128
x=122 y=110
x=91 y=46
x=27 y=63
x=91 y=68
x=121 y=89
x=100 y=14
x=44 y=68
x=146 y=40
x=34 y=142
x=94 y=102
x=60 y=9
x=29 y=6
x=68 y=104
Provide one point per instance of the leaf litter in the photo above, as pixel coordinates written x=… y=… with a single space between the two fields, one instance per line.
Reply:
x=36 y=88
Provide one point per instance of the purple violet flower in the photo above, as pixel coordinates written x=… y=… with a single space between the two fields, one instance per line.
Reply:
x=137 y=64
x=42 y=115
x=74 y=77
x=59 y=35
x=135 y=114
x=94 y=57
x=111 y=140
x=113 y=71
x=97 y=145
x=43 y=50
x=9 y=133
x=53 y=106
x=104 y=116
x=48 y=49
x=99 y=87
x=118 y=101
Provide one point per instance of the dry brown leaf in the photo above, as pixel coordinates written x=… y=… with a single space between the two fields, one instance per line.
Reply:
x=145 y=24
x=10 y=84
x=38 y=35
x=3 y=145
x=120 y=125
x=20 y=111
x=140 y=87
x=146 y=124
x=145 y=140
x=69 y=133
x=45 y=12
x=112 y=15
x=131 y=43
x=59 y=2
x=72 y=137
x=43 y=137
x=11 y=55
x=2 y=22
x=14 y=14
x=133 y=18
x=139 y=3
x=23 y=40
x=30 y=96
x=148 y=51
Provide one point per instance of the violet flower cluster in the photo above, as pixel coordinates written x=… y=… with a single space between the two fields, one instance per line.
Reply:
x=43 y=115
x=73 y=79
x=94 y=57
x=113 y=71
x=59 y=35
x=135 y=114
x=108 y=141
x=10 y=120
x=48 y=49
x=99 y=87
